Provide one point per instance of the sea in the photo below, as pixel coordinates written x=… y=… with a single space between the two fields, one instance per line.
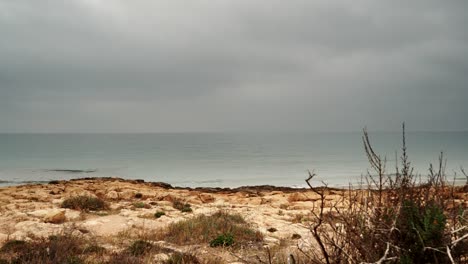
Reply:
x=222 y=159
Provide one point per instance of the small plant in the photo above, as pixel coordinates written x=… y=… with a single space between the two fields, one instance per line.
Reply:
x=182 y=206
x=139 y=247
x=84 y=203
x=186 y=209
x=224 y=240
x=141 y=205
x=159 y=214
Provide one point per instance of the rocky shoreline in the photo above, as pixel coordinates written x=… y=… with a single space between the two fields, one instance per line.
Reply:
x=281 y=214
x=31 y=211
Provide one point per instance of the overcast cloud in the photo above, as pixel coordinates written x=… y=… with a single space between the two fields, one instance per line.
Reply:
x=177 y=66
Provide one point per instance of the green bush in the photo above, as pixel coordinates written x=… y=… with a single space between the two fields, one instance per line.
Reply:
x=159 y=214
x=182 y=206
x=224 y=240
x=84 y=203
x=421 y=227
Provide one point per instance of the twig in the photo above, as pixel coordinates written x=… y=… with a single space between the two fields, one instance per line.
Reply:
x=449 y=253
x=383 y=258
x=315 y=228
x=455 y=242
x=459 y=229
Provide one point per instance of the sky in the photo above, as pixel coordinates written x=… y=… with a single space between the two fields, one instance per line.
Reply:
x=98 y=66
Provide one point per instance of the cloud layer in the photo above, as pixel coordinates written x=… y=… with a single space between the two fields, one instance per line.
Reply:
x=177 y=66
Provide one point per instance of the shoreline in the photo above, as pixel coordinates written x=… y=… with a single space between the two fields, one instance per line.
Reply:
x=282 y=215
x=165 y=185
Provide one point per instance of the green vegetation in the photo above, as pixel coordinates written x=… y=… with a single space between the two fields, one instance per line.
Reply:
x=141 y=205
x=206 y=228
x=159 y=214
x=84 y=203
x=223 y=240
x=182 y=206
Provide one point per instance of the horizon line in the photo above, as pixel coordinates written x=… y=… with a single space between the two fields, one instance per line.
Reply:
x=224 y=132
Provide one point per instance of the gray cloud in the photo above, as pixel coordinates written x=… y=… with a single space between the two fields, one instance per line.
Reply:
x=143 y=66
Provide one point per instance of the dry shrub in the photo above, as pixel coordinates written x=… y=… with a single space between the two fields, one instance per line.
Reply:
x=205 y=228
x=281 y=254
x=55 y=249
x=182 y=258
x=395 y=218
x=84 y=203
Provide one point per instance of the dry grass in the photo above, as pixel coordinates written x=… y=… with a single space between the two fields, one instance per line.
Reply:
x=202 y=229
x=55 y=249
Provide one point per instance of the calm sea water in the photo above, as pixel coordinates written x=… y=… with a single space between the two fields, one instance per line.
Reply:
x=211 y=159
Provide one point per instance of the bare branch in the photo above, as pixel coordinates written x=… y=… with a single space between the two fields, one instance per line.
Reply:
x=383 y=258
x=449 y=253
x=315 y=228
x=455 y=242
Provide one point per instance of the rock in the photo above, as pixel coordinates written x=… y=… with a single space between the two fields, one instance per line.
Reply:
x=39 y=213
x=160 y=258
x=37 y=229
x=271 y=241
x=162 y=185
x=55 y=217
x=55 y=191
x=127 y=194
x=3 y=237
x=112 y=195
x=206 y=198
x=72 y=215
x=57 y=201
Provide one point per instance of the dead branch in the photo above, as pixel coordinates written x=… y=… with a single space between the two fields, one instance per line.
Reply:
x=315 y=228
x=383 y=258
